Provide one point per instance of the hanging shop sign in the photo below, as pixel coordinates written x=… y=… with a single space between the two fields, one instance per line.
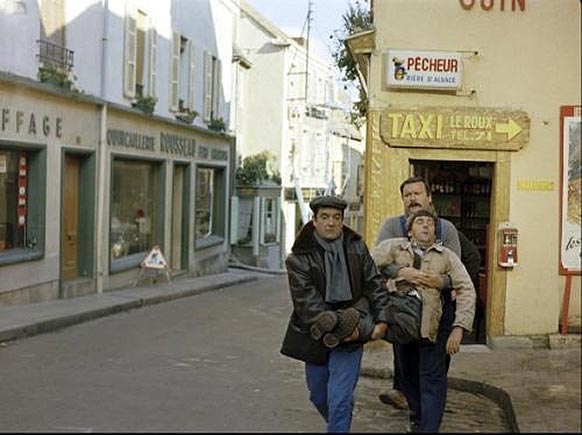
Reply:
x=424 y=69
x=459 y=127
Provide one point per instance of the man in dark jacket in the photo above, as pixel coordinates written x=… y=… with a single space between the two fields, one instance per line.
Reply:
x=335 y=286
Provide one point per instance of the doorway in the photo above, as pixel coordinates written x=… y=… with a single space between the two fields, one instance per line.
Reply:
x=70 y=225
x=180 y=206
x=461 y=193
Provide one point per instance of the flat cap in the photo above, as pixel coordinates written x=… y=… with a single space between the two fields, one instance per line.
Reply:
x=327 y=201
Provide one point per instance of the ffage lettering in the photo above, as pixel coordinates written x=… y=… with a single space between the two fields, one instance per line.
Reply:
x=21 y=123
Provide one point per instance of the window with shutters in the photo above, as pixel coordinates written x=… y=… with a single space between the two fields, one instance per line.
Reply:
x=175 y=72
x=153 y=60
x=130 y=52
x=183 y=75
x=52 y=50
x=140 y=51
x=140 y=54
x=212 y=86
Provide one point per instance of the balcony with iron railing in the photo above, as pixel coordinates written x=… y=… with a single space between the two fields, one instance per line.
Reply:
x=55 y=56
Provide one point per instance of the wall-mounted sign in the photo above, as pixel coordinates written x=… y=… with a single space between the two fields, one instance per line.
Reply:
x=458 y=127
x=423 y=69
x=540 y=185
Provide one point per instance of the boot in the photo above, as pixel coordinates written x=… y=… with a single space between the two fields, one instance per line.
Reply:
x=347 y=321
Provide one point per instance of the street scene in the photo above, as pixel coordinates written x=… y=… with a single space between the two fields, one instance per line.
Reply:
x=207 y=363
x=290 y=216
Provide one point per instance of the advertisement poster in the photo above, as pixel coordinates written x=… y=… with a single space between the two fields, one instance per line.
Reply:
x=571 y=188
x=424 y=69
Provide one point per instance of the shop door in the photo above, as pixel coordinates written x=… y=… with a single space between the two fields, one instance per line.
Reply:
x=179 y=251
x=461 y=193
x=70 y=222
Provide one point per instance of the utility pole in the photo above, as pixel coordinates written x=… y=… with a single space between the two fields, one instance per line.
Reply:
x=307 y=49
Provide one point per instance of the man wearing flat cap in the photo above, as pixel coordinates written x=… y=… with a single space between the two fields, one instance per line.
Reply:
x=338 y=305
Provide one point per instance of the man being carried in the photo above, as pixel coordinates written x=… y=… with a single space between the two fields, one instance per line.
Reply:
x=424 y=363
x=415 y=194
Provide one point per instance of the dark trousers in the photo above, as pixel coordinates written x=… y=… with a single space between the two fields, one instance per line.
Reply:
x=450 y=305
x=423 y=371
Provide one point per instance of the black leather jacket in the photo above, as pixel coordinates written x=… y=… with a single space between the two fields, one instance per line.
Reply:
x=306 y=274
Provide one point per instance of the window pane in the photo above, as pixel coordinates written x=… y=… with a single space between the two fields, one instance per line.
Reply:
x=13 y=199
x=270 y=223
x=204 y=202
x=210 y=215
x=134 y=204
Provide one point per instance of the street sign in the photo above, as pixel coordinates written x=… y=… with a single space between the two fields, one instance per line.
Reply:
x=458 y=127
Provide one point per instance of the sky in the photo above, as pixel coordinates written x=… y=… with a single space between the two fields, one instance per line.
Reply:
x=290 y=16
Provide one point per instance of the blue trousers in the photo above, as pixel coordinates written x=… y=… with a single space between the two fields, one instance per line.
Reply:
x=332 y=385
x=423 y=375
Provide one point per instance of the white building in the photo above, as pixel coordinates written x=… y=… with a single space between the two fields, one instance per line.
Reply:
x=287 y=105
x=90 y=178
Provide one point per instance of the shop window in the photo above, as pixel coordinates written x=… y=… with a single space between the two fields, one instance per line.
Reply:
x=270 y=212
x=210 y=192
x=21 y=205
x=135 y=211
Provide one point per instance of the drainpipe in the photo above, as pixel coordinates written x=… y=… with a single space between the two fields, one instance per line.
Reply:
x=101 y=228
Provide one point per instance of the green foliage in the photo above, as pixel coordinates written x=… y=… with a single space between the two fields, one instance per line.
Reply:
x=217 y=124
x=253 y=170
x=50 y=74
x=146 y=104
x=187 y=115
x=355 y=19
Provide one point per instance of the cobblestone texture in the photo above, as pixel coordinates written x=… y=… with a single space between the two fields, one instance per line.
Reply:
x=465 y=412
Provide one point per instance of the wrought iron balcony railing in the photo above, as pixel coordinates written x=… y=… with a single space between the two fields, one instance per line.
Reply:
x=50 y=54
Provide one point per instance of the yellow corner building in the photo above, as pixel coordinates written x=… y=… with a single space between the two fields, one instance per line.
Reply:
x=482 y=98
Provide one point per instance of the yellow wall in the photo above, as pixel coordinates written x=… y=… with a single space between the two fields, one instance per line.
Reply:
x=527 y=61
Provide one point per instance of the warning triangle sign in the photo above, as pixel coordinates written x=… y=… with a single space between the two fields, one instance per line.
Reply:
x=155 y=259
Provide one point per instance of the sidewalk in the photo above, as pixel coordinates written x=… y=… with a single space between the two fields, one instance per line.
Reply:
x=539 y=389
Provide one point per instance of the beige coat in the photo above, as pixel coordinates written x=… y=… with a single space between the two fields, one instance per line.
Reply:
x=437 y=259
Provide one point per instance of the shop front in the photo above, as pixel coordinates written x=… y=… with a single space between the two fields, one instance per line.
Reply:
x=167 y=187
x=464 y=154
x=87 y=190
x=47 y=192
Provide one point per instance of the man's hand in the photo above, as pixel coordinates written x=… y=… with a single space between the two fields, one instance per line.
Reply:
x=355 y=335
x=431 y=279
x=417 y=277
x=379 y=331
x=410 y=274
x=454 y=341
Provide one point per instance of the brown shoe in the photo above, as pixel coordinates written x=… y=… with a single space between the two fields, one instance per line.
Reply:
x=347 y=321
x=322 y=323
x=394 y=398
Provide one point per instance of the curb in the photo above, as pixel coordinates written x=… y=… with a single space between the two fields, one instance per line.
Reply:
x=257 y=269
x=500 y=397
x=120 y=303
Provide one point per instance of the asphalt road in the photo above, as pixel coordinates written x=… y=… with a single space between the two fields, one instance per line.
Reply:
x=207 y=363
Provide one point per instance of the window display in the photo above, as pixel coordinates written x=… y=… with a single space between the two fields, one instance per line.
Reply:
x=134 y=205
x=209 y=203
x=13 y=199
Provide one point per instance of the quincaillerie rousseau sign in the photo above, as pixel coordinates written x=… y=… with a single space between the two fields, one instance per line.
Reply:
x=424 y=69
